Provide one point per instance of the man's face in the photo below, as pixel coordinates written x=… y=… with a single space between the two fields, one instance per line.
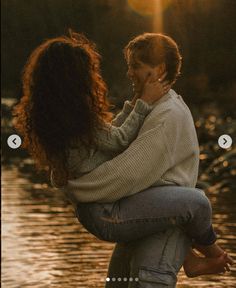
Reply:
x=138 y=72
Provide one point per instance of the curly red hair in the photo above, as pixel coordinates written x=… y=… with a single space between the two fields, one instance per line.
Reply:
x=64 y=100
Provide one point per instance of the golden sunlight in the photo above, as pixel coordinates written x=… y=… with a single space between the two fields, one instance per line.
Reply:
x=153 y=8
x=146 y=8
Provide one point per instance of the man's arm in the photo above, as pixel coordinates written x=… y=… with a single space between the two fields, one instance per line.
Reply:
x=137 y=168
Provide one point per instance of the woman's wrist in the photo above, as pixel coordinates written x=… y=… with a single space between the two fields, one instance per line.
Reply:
x=133 y=101
x=142 y=107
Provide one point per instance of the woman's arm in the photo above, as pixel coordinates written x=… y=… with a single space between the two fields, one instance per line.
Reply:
x=137 y=168
x=123 y=114
x=116 y=139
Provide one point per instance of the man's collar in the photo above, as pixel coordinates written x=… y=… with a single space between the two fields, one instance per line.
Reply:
x=168 y=95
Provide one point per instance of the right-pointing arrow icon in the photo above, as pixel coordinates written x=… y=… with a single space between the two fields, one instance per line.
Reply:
x=225 y=141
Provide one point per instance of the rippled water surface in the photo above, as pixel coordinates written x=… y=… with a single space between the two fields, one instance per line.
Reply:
x=45 y=246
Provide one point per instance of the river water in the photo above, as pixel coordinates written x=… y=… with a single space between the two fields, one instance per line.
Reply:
x=43 y=245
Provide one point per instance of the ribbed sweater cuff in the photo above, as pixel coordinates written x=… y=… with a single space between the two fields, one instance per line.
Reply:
x=142 y=107
x=128 y=107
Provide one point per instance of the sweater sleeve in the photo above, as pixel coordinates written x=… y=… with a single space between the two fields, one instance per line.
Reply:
x=136 y=169
x=124 y=113
x=116 y=139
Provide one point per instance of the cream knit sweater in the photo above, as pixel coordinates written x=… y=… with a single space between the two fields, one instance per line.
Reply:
x=165 y=152
x=112 y=139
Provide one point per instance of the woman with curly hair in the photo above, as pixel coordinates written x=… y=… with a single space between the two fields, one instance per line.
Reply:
x=64 y=112
x=66 y=126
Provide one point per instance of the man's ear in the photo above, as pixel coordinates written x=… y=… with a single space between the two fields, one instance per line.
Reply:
x=151 y=76
x=160 y=69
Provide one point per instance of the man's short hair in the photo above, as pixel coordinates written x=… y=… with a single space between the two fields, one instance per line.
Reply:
x=154 y=49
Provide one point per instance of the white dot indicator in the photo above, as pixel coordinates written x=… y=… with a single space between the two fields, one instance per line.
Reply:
x=108 y=279
x=225 y=141
x=14 y=141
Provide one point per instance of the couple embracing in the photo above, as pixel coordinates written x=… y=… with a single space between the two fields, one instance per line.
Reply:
x=130 y=178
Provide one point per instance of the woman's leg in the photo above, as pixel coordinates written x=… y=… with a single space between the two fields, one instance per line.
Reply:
x=195 y=266
x=150 y=212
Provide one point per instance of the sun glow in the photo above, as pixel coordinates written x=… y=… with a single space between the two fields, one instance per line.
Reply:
x=145 y=8
x=153 y=8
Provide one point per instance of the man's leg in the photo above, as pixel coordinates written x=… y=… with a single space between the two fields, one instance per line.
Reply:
x=119 y=267
x=157 y=259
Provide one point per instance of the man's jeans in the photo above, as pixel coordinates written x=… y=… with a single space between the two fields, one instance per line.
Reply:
x=138 y=223
x=151 y=262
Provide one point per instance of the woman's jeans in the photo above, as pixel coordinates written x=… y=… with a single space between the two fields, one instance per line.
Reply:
x=149 y=212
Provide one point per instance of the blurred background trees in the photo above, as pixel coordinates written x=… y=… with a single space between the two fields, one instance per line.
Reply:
x=204 y=29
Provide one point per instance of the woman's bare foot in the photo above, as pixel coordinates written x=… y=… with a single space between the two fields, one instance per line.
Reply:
x=213 y=251
x=195 y=266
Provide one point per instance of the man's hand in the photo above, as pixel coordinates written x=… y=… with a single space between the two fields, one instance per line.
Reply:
x=154 y=89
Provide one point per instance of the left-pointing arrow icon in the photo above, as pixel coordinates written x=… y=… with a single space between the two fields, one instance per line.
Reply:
x=14 y=141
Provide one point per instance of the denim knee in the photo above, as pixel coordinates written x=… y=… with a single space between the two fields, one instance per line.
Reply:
x=203 y=231
x=202 y=204
x=205 y=201
x=154 y=278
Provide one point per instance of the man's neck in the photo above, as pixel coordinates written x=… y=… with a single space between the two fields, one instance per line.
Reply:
x=162 y=98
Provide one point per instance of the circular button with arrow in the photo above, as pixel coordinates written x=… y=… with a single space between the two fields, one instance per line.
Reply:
x=14 y=141
x=225 y=141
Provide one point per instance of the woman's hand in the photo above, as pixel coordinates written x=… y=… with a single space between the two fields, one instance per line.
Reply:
x=136 y=96
x=154 y=89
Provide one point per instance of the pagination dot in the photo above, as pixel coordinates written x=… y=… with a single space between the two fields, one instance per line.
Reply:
x=119 y=279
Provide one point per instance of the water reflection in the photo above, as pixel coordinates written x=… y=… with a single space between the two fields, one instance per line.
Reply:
x=43 y=244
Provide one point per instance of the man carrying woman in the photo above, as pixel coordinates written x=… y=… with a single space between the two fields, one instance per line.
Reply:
x=64 y=118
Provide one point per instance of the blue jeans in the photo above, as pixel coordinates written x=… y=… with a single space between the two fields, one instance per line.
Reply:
x=151 y=211
x=150 y=247
x=151 y=262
